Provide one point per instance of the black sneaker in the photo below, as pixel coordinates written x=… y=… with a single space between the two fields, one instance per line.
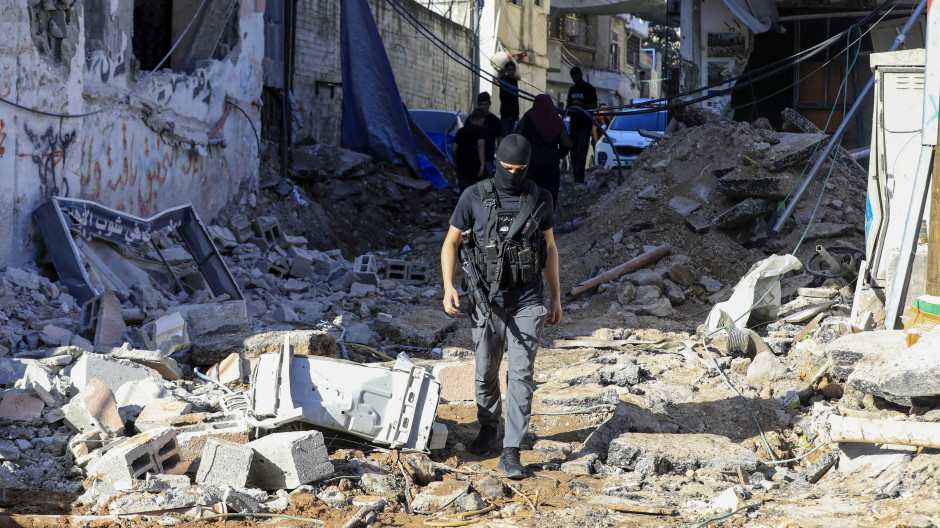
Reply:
x=485 y=441
x=510 y=465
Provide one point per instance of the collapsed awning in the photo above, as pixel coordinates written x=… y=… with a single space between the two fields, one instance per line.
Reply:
x=651 y=10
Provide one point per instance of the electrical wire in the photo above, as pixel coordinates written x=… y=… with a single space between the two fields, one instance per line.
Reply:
x=729 y=514
x=213 y=380
x=372 y=350
x=127 y=93
x=259 y=515
x=250 y=122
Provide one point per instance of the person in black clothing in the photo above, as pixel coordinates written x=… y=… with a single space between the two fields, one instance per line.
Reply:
x=492 y=131
x=582 y=95
x=508 y=98
x=549 y=142
x=468 y=150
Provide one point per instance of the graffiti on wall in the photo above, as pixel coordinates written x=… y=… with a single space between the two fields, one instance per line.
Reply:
x=142 y=175
x=3 y=137
x=50 y=148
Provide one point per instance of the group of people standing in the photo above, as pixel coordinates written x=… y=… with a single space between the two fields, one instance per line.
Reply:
x=550 y=140
x=502 y=235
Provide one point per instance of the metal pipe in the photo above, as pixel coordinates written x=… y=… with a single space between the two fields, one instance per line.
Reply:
x=837 y=135
x=918 y=201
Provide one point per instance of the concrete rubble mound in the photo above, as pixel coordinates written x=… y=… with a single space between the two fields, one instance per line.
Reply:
x=329 y=383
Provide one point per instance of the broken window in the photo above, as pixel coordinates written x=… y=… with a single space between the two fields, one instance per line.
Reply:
x=158 y=24
x=574 y=29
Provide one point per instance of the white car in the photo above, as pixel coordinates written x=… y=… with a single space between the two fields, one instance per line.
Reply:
x=624 y=132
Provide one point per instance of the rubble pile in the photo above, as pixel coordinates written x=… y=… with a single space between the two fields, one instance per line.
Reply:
x=169 y=400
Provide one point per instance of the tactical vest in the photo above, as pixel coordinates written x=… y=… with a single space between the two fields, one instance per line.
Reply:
x=513 y=251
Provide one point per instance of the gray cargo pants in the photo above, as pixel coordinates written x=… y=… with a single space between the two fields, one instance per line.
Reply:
x=516 y=330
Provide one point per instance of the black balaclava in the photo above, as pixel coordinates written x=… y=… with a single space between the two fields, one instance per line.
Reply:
x=514 y=150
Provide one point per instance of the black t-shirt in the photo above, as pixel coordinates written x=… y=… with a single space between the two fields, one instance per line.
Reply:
x=470 y=212
x=468 y=161
x=492 y=129
x=585 y=93
x=508 y=98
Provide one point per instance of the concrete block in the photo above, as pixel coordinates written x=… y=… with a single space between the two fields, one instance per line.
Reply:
x=224 y=463
x=241 y=228
x=112 y=372
x=421 y=328
x=697 y=223
x=194 y=430
x=396 y=270
x=37 y=382
x=213 y=349
x=232 y=369
x=53 y=335
x=269 y=229
x=132 y=397
x=743 y=213
x=155 y=359
x=302 y=266
x=288 y=460
x=170 y=334
x=157 y=413
x=94 y=408
x=365 y=264
x=846 y=351
x=678 y=453
x=19 y=406
x=155 y=451
x=406 y=271
x=210 y=318
x=102 y=318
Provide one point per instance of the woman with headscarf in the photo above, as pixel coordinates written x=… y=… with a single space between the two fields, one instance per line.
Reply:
x=549 y=143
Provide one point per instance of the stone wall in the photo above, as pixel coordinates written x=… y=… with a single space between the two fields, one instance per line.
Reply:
x=142 y=155
x=426 y=78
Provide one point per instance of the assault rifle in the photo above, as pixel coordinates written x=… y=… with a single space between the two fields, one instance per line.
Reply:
x=474 y=282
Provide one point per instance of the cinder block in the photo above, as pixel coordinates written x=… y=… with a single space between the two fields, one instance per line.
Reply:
x=365 y=264
x=93 y=408
x=158 y=413
x=242 y=229
x=194 y=430
x=112 y=372
x=224 y=463
x=418 y=273
x=302 y=266
x=214 y=317
x=102 y=320
x=19 y=406
x=396 y=270
x=155 y=451
x=289 y=460
x=268 y=229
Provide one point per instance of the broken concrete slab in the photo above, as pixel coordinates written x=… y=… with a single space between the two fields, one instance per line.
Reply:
x=326 y=161
x=698 y=223
x=873 y=469
x=583 y=395
x=212 y=349
x=439 y=494
x=797 y=123
x=157 y=413
x=915 y=372
x=21 y=407
x=678 y=453
x=154 y=359
x=627 y=417
x=133 y=396
x=684 y=206
x=167 y=334
x=846 y=351
x=224 y=463
x=288 y=460
x=37 y=381
x=94 y=408
x=232 y=369
x=112 y=372
x=194 y=430
x=171 y=499
x=748 y=181
x=201 y=319
x=743 y=213
x=765 y=369
x=55 y=336
x=420 y=328
x=793 y=148
x=103 y=321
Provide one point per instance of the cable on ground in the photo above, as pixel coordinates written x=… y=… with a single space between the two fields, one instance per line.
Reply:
x=259 y=515
x=585 y=410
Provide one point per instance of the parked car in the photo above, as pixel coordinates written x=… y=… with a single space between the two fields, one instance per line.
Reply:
x=624 y=132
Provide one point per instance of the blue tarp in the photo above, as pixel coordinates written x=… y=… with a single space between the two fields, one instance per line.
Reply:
x=374 y=118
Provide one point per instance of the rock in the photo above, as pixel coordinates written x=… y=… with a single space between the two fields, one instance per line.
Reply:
x=661 y=307
x=361 y=333
x=552 y=447
x=19 y=406
x=684 y=206
x=645 y=277
x=627 y=417
x=846 y=351
x=22 y=278
x=580 y=466
x=792 y=149
x=490 y=487
x=673 y=292
x=698 y=223
x=132 y=397
x=678 y=453
x=420 y=328
x=582 y=395
x=711 y=285
x=765 y=368
x=819 y=230
x=626 y=291
x=382 y=484
x=646 y=295
x=55 y=336
x=648 y=193
x=682 y=274
x=211 y=349
x=743 y=213
x=326 y=161
x=439 y=494
x=815 y=471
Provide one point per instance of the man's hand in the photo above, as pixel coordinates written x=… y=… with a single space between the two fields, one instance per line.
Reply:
x=452 y=301
x=554 y=312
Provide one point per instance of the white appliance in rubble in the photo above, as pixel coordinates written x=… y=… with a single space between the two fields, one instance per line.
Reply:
x=895 y=146
x=389 y=407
